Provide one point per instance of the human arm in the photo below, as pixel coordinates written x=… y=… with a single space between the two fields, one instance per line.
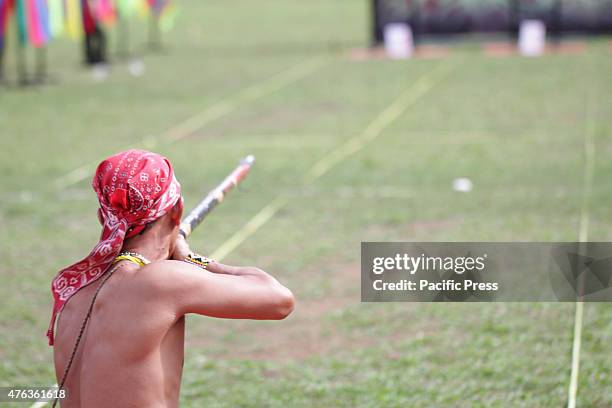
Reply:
x=225 y=291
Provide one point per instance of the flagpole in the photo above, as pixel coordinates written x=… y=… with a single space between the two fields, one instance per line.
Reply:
x=41 y=65
x=2 y=46
x=123 y=33
x=154 y=31
x=20 y=57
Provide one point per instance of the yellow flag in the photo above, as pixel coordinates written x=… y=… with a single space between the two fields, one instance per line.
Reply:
x=74 y=19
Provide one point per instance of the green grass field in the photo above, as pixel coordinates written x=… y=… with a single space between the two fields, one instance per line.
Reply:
x=355 y=151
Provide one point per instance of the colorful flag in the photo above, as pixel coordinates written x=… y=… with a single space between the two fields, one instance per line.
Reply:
x=168 y=17
x=6 y=7
x=37 y=22
x=157 y=6
x=43 y=8
x=56 y=17
x=126 y=8
x=89 y=23
x=165 y=10
x=22 y=28
x=73 y=18
x=103 y=11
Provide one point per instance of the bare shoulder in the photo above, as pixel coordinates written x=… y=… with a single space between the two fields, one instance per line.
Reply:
x=163 y=267
x=167 y=279
x=168 y=274
x=222 y=291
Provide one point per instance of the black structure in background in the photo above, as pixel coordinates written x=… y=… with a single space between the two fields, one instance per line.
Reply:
x=446 y=17
x=551 y=16
x=94 y=41
x=376 y=34
x=394 y=11
x=95 y=46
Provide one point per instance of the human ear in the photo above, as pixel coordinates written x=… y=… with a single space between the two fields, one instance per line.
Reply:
x=177 y=212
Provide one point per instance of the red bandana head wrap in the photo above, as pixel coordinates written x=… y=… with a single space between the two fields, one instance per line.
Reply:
x=134 y=188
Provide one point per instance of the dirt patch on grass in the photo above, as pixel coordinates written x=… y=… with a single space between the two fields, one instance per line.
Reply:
x=432 y=51
x=419 y=227
x=378 y=53
x=505 y=48
x=305 y=333
x=419 y=230
x=499 y=49
x=316 y=327
x=569 y=48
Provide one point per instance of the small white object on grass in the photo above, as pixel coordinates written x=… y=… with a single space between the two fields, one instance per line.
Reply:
x=532 y=38
x=99 y=72
x=136 y=67
x=26 y=196
x=463 y=185
x=399 y=42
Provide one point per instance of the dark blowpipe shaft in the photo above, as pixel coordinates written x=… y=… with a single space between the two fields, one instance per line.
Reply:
x=214 y=197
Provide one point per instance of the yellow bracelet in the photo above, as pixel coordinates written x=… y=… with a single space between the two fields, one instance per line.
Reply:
x=198 y=260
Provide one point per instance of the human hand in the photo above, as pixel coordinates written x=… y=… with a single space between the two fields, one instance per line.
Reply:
x=181 y=248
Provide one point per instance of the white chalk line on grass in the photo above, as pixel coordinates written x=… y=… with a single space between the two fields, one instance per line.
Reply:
x=406 y=99
x=583 y=236
x=210 y=114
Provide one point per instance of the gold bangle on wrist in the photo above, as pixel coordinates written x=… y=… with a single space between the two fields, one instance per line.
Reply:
x=198 y=260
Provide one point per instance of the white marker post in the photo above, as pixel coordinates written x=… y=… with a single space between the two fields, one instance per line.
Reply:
x=532 y=38
x=399 y=41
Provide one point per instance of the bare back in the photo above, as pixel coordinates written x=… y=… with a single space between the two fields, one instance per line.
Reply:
x=131 y=353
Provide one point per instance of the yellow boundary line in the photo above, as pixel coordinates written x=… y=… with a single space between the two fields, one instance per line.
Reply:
x=583 y=236
x=406 y=99
x=376 y=127
x=248 y=229
x=210 y=114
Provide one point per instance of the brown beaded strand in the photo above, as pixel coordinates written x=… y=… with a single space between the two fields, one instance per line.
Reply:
x=81 y=331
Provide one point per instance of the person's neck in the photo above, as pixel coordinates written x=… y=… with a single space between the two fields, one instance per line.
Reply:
x=152 y=245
